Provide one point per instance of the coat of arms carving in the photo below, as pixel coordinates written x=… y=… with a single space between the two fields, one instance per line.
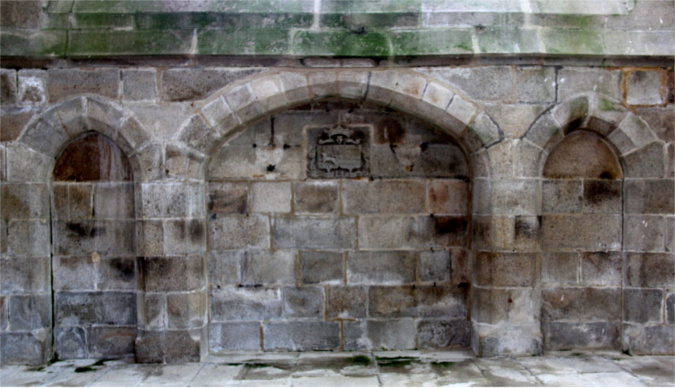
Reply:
x=338 y=152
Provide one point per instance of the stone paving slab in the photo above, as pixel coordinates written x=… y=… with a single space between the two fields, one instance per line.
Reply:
x=376 y=369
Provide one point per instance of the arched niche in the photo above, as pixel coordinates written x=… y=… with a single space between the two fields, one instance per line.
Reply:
x=582 y=208
x=94 y=269
x=338 y=225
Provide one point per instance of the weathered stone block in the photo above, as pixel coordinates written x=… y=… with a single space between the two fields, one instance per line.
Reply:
x=32 y=87
x=239 y=232
x=314 y=233
x=601 y=269
x=13 y=122
x=592 y=335
x=644 y=88
x=383 y=267
x=256 y=161
x=24 y=275
x=496 y=82
x=199 y=135
x=85 y=237
x=346 y=302
x=73 y=201
x=8 y=81
x=356 y=336
x=316 y=197
x=650 y=196
x=160 y=274
x=186 y=310
x=432 y=334
x=70 y=342
x=644 y=233
x=499 y=306
x=111 y=342
x=89 y=308
x=574 y=81
x=234 y=336
x=150 y=346
x=391 y=334
x=436 y=266
x=392 y=302
x=28 y=238
x=167 y=200
x=515 y=197
x=448 y=197
x=602 y=196
x=649 y=270
x=63 y=83
x=224 y=267
x=184 y=237
x=268 y=267
x=139 y=84
x=505 y=269
x=150 y=238
x=412 y=232
x=245 y=304
x=301 y=336
x=182 y=346
x=303 y=302
x=535 y=84
x=660 y=119
x=244 y=103
x=322 y=267
x=114 y=200
x=670 y=309
x=182 y=162
x=153 y=314
x=581 y=304
x=643 y=306
x=589 y=231
x=195 y=84
x=27 y=201
x=271 y=197
x=74 y=273
x=363 y=197
x=25 y=348
x=227 y=198
x=441 y=301
x=440 y=159
x=650 y=339
x=29 y=312
x=647 y=162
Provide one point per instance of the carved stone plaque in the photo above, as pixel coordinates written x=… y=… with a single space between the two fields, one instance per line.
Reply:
x=338 y=152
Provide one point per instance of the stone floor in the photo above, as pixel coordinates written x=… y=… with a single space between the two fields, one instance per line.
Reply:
x=359 y=369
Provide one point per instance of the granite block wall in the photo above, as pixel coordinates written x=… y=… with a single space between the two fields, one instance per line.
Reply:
x=506 y=209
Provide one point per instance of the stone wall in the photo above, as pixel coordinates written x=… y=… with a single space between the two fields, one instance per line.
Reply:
x=507 y=209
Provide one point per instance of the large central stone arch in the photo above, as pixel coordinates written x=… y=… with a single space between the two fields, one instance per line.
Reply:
x=232 y=109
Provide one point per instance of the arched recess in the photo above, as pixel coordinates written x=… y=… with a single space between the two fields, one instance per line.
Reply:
x=30 y=164
x=339 y=225
x=582 y=243
x=231 y=110
x=616 y=294
x=94 y=269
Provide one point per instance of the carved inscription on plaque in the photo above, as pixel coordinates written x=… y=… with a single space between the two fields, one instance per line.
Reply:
x=338 y=152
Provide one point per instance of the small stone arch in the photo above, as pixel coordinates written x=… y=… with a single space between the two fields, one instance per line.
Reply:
x=634 y=142
x=50 y=132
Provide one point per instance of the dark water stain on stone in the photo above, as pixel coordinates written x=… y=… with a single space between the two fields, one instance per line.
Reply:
x=449 y=225
x=84 y=230
x=599 y=191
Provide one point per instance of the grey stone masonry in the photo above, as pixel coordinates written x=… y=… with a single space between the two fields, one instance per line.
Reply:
x=172 y=208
